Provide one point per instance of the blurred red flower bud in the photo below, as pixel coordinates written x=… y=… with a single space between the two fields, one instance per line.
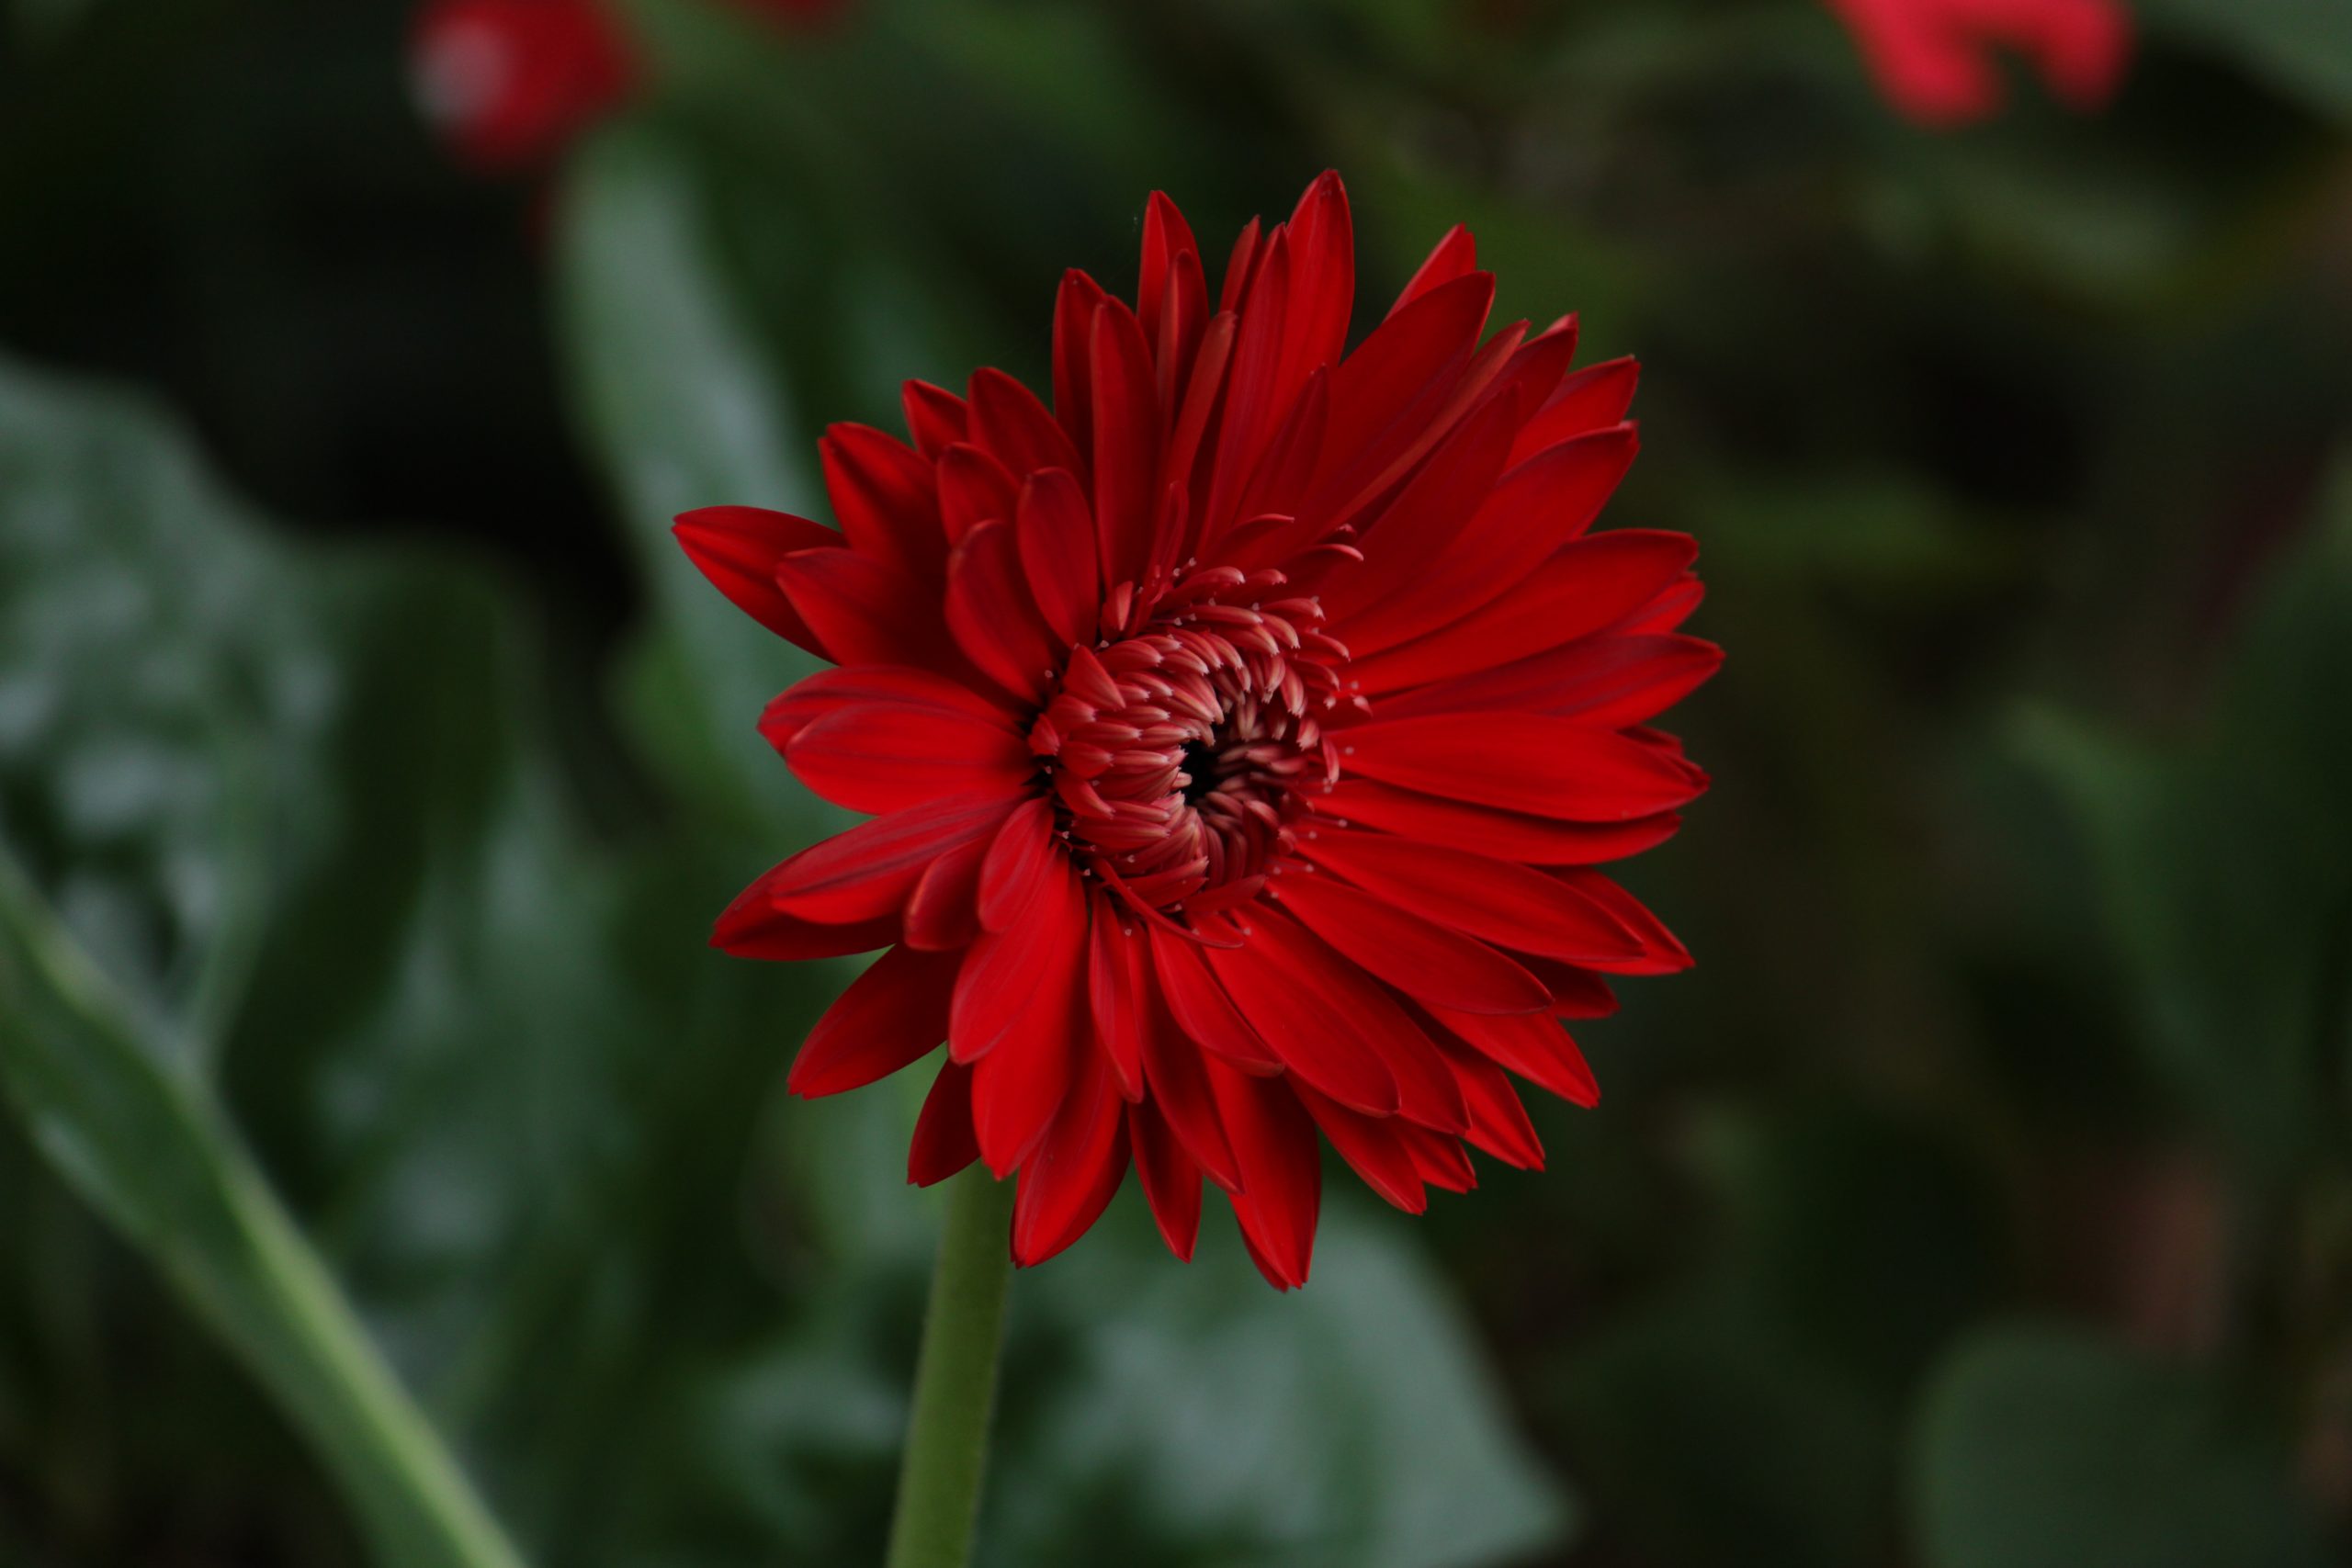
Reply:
x=1934 y=59
x=509 y=83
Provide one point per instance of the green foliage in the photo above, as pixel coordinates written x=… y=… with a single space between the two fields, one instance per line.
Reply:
x=2047 y=1448
x=137 y=776
x=2226 y=863
x=2302 y=45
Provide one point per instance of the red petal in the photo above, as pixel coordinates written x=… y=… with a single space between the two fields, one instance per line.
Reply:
x=1544 y=766
x=1175 y=337
x=1592 y=399
x=1021 y=972
x=1536 y=1048
x=1311 y=1021
x=943 y=912
x=1115 y=984
x=864 y=611
x=1604 y=683
x=1056 y=539
x=1409 y=953
x=1507 y=904
x=1127 y=424
x=1252 y=408
x=868 y=872
x=1171 y=1182
x=1454 y=256
x=1166 y=239
x=1404 y=544
x=1504 y=835
x=974 y=488
x=936 y=417
x=1240 y=267
x=1282 y=1172
x=1069 y=1180
x=1013 y=426
x=1575 y=993
x=993 y=615
x=1425 y=1091
x=1201 y=1008
x=1673 y=607
x=1534 y=372
x=1586 y=586
x=1397 y=414
x=751 y=927
x=1322 y=283
x=1439 y=1159
x=1021 y=1081
x=1535 y=509
x=1498 y=1122
x=1176 y=1080
x=738 y=548
x=892 y=1014
x=1661 y=953
x=943 y=1142
x=832 y=691
x=885 y=498
x=1280 y=484
x=885 y=757
x=1371 y=1148
x=1074 y=306
x=1184 y=453
x=1014 y=876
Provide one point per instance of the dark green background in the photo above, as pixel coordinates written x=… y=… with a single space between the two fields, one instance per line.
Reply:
x=1983 y=1199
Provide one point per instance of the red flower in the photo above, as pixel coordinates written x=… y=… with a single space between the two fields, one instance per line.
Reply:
x=1934 y=59
x=1242 y=734
x=511 y=82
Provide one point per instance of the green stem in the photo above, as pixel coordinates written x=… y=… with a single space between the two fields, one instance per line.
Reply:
x=148 y=1147
x=326 y=1370
x=947 y=1438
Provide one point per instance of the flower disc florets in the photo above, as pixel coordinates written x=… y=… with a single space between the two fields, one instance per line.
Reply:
x=1177 y=746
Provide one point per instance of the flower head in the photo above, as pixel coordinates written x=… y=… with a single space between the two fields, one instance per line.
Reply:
x=1934 y=59
x=1241 y=735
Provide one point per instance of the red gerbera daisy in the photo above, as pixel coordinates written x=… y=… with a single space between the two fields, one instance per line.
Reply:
x=1241 y=734
x=1934 y=59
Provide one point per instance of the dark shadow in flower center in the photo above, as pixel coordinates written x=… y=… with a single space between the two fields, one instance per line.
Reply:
x=1199 y=762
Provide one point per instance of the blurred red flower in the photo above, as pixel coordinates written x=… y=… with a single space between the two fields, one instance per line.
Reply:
x=510 y=83
x=1242 y=734
x=1934 y=59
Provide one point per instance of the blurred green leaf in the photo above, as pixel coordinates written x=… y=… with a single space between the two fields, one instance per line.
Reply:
x=2303 y=46
x=148 y=1151
x=2047 y=1448
x=1349 y=1425
x=151 y=654
x=682 y=412
x=1887 y=533
x=2226 y=860
x=1860 y=1241
x=141 y=745
x=1750 y=1413
x=1709 y=1441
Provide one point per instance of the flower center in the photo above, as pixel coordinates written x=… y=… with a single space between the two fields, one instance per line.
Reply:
x=1178 y=745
